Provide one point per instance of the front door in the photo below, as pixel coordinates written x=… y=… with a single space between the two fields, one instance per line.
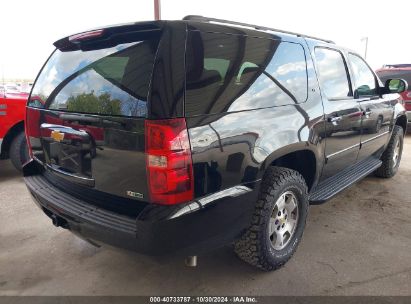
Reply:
x=343 y=113
x=378 y=111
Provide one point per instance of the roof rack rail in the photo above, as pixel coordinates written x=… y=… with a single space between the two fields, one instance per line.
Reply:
x=257 y=27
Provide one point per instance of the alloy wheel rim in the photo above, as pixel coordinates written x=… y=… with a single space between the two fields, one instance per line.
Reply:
x=396 y=154
x=283 y=220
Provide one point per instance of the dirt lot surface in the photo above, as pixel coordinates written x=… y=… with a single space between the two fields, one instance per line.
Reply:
x=359 y=243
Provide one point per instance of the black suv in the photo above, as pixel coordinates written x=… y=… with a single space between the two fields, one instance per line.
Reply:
x=184 y=136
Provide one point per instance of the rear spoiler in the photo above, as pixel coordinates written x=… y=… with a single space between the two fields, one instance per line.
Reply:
x=107 y=37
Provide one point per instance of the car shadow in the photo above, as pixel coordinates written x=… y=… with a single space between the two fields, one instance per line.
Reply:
x=219 y=266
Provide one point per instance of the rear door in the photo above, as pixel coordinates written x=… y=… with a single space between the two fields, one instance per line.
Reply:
x=342 y=111
x=87 y=111
x=378 y=111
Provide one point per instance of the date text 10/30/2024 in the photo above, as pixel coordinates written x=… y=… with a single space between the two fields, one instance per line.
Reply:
x=205 y=299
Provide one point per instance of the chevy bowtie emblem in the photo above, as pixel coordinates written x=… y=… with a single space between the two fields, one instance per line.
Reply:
x=57 y=136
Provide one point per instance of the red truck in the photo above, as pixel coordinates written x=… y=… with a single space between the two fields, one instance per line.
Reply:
x=12 y=139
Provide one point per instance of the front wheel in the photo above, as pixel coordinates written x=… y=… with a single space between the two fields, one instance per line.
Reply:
x=391 y=157
x=278 y=220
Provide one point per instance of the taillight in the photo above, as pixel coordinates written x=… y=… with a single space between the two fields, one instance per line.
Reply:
x=168 y=161
x=31 y=127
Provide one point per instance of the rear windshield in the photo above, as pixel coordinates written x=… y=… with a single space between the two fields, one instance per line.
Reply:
x=233 y=73
x=107 y=81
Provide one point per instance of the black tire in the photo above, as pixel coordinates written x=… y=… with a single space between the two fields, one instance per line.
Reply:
x=18 y=151
x=255 y=246
x=389 y=167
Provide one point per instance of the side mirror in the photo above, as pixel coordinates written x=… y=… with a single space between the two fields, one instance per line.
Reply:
x=396 y=85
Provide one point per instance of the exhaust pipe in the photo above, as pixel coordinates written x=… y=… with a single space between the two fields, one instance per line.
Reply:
x=58 y=221
x=191 y=261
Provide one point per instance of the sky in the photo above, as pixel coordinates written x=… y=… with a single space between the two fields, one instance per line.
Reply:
x=28 y=28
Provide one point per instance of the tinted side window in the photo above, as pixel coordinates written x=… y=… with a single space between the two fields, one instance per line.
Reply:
x=234 y=73
x=109 y=81
x=332 y=73
x=364 y=77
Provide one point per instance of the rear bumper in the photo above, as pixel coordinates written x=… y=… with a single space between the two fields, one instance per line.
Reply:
x=188 y=229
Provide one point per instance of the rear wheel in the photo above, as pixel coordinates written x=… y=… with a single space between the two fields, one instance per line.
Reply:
x=278 y=220
x=18 y=151
x=391 y=157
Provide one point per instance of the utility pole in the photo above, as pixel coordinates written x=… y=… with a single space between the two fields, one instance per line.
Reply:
x=366 y=46
x=157 y=9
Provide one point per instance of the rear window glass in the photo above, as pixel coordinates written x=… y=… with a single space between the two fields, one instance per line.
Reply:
x=108 y=81
x=234 y=73
x=333 y=73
